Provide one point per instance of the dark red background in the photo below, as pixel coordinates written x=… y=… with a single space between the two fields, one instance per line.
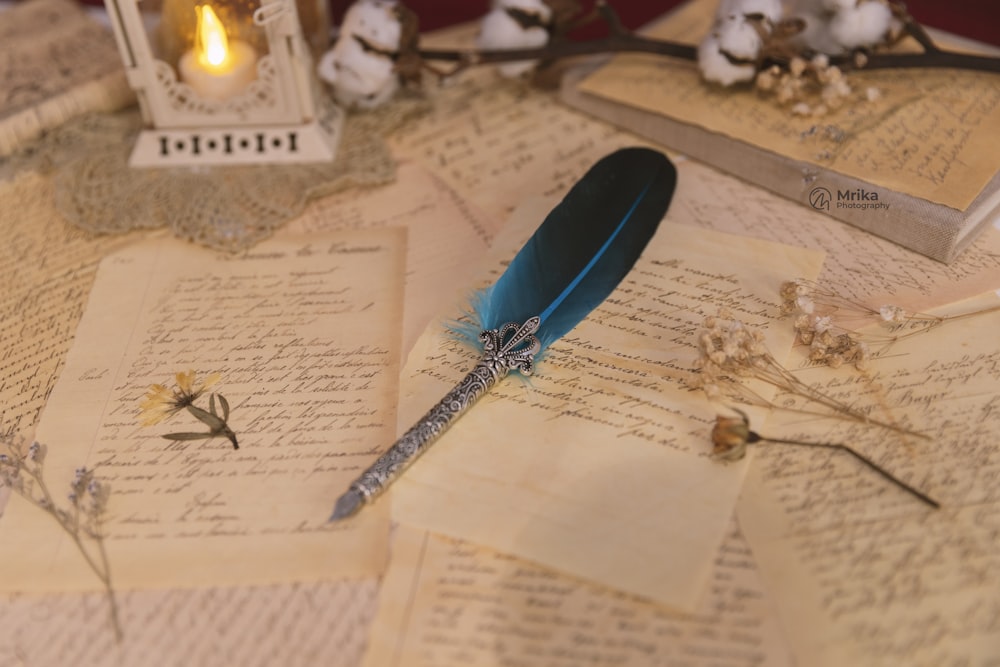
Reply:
x=977 y=19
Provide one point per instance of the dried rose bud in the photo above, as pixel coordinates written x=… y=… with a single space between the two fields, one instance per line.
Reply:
x=730 y=437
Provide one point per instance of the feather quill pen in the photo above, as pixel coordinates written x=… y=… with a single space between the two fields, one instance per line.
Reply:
x=573 y=261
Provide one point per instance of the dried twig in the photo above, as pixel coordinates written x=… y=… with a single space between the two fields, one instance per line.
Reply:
x=21 y=470
x=731 y=435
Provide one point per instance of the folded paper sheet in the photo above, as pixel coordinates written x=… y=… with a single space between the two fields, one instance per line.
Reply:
x=597 y=466
x=862 y=572
x=308 y=355
x=447 y=602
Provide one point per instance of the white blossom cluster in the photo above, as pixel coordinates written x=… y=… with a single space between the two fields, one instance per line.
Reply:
x=839 y=26
x=361 y=68
x=732 y=50
x=501 y=30
x=729 y=350
x=362 y=77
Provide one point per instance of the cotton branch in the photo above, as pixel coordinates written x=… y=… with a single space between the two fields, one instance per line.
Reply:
x=621 y=40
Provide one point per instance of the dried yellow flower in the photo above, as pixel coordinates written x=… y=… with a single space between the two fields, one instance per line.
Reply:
x=161 y=402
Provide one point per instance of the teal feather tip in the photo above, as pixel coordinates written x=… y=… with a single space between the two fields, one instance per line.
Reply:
x=581 y=251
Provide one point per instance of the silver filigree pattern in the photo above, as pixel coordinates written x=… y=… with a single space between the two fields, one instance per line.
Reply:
x=511 y=347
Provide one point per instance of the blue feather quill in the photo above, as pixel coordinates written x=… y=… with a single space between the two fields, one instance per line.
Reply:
x=585 y=246
x=573 y=261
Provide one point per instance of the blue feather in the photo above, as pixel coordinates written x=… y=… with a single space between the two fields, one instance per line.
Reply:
x=572 y=262
x=584 y=248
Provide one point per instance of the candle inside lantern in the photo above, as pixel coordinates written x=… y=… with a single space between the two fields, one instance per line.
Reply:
x=217 y=68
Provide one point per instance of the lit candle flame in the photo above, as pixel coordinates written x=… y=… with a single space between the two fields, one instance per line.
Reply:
x=213 y=45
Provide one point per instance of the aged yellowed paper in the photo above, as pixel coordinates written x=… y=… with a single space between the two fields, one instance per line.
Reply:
x=597 y=466
x=862 y=572
x=46 y=268
x=447 y=602
x=498 y=142
x=858 y=265
x=49 y=268
x=308 y=357
x=446 y=235
x=929 y=134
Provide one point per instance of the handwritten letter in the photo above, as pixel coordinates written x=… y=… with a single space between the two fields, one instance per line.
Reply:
x=307 y=349
x=592 y=467
x=47 y=268
x=446 y=237
x=497 y=142
x=447 y=602
x=862 y=572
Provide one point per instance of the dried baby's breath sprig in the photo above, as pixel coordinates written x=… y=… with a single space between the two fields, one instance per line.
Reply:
x=730 y=352
x=811 y=87
x=731 y=435
x=162 y=402
x=827 y=322
x=21 y=470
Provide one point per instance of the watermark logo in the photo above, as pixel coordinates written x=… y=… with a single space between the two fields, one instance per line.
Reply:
x=820 y=199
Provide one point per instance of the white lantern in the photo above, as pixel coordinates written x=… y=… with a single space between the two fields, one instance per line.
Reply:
x=225 y=82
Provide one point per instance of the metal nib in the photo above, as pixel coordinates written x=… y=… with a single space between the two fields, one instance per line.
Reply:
x=347 y=505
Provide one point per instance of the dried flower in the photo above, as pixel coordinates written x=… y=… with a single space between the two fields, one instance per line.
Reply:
x=731 y=351
x=21 y=470
x=731 y=435
x=841 y=330
x=748 y=37
x=161 y=402
x=890 y=313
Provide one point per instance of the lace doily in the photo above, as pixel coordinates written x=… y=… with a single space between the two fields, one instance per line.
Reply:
x=225 y=208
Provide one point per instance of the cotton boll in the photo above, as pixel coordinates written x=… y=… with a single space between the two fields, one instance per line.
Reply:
x=771 y=9
x=715 y=67
x=499 y=30
x=375 y=21
x=358 y=79
x=864 y=25
x=738 y=38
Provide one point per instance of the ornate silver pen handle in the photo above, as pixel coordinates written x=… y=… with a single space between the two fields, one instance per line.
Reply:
x=511 y=347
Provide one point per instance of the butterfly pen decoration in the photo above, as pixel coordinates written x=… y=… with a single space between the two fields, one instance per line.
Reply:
x=573 y=261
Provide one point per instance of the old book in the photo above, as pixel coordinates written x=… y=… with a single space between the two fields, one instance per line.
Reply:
x=915 y=165
x=58 y=62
